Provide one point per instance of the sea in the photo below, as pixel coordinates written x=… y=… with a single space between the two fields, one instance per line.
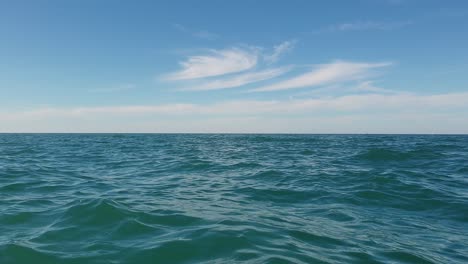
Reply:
x=233 y=198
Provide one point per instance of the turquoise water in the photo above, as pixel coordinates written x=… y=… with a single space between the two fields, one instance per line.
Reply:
x=130 y=198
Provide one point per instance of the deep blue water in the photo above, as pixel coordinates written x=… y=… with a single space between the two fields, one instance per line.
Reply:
x=156 y=198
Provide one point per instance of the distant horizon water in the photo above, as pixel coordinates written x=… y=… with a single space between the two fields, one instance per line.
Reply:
x=236 y=133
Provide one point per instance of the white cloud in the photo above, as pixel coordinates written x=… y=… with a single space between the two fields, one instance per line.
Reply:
x=358 y=87
x=352 y=123
x=216 y=63
x=239 y=80
x=279 y=50
x=325 y=74
x=370 y=101
x=368 y=86
x=364 y=113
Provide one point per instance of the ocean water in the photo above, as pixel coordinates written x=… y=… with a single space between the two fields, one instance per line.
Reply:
x=181 y=198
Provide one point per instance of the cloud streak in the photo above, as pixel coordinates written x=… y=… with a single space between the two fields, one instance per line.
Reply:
x=371 y=102
x=239 y=80
x=364 y=113
x=368 y=25
x=338 y=71
x=216 y=63
x=279 y=50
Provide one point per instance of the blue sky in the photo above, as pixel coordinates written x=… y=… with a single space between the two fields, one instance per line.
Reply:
x=369 y=66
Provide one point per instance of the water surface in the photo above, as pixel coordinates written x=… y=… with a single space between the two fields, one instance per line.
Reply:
x=155 y=198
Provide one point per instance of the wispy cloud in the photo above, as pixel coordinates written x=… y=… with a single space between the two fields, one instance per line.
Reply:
x=358 y=87
x=244 y=66
x=202 y=34
x=399 y=102
x=279 y=50
x=338 y=71
x=364 y=113
x=365 y=26
x=239 y=80
x=368 y=86
x=216 y=63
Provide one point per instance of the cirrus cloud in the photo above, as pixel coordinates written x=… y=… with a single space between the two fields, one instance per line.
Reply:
x=338 y=71
x=239 y=80
x=279 y=50
x=216 y=63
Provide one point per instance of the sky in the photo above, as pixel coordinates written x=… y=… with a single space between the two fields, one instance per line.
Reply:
x=334 y=66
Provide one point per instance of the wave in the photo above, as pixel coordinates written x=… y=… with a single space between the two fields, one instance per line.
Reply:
x=233 y=199
x=384 y=154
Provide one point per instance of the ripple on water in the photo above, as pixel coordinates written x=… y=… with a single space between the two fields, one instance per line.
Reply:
x=233 y=199
x=15 y=253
